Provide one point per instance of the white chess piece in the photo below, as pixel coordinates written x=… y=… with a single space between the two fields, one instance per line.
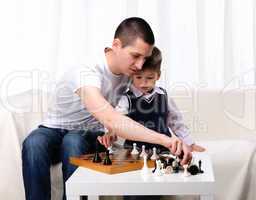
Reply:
x=158 y=171
x=168 y=170
x=110 y=149
x=145 y=169
x=154 y=156
x=185 y=173
x=134 y=150
x=143 y=152
x=162 y=168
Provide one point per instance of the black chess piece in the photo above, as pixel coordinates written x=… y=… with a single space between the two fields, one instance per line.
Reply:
x=169 y=161
x=106 y=160
x=163 y=160
x=193 y=169
x=175 y=166
x=96 y=158
x=200 y=166
x=153 y=171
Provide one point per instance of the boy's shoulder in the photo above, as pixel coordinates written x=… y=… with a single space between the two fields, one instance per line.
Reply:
x=161 y=90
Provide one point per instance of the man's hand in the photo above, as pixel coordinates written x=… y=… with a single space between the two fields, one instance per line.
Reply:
x=107 y=140
x=178 y=148
x=187 y=154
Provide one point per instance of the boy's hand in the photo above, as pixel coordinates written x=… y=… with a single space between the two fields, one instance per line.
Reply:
x=107 y=140
x=197 y=148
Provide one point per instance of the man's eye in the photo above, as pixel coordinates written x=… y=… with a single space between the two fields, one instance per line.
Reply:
x=150 y=78
x=138 y=77
x=135 y=56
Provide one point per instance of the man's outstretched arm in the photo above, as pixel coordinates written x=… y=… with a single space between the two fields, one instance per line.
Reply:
x=125 y=127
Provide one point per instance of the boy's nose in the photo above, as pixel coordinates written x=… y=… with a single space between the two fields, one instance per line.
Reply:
x=143 y=83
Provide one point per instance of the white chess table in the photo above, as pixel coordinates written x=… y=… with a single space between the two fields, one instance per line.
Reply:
x=86 y=182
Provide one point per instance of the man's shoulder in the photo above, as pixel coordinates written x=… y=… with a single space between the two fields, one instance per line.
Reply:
x=82 y=69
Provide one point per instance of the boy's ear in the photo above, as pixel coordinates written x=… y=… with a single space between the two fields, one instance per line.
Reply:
x=117 y=43
x=159 y=74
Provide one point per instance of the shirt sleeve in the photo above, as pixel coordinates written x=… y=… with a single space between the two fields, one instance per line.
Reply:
x=85 y=76
x=176 y=124
x=123 y=105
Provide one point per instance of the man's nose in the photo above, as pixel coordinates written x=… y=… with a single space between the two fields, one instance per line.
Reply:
x=139 y=64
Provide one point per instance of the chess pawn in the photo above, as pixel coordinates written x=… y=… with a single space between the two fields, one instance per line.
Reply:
x=186 y=173
x=134 y=150
x=143 y=152
x=96 y=158
x=107 y=160
x=154 y=155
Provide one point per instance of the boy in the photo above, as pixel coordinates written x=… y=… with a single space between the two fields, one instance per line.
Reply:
x=149 y=105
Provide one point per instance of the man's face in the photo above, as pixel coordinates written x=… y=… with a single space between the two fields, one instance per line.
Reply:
x=145 y=80
x=129 y=59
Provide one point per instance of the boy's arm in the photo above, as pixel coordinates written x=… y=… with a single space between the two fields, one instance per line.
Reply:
x=124 y=126
x=176 y=124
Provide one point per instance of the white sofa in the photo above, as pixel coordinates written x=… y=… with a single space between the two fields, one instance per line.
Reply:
x=221 y=120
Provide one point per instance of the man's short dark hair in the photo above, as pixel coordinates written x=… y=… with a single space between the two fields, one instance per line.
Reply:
x=132 y=28
x=154 y=61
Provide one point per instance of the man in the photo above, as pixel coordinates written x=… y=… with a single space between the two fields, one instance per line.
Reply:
x=83 y=106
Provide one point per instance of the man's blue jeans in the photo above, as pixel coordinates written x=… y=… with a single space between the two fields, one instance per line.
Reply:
x=46 y=146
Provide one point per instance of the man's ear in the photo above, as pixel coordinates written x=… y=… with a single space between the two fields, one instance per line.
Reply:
x=116 y=44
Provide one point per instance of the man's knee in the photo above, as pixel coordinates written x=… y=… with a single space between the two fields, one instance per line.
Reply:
x=35 y=142
x=75 y=141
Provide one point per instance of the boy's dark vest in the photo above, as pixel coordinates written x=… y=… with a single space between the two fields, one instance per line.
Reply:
x=151 y=113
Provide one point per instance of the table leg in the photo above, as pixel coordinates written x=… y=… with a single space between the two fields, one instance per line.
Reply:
x=93 y=198
x=206 y=197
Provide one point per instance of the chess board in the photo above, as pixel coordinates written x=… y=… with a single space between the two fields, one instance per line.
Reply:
x=122 y=161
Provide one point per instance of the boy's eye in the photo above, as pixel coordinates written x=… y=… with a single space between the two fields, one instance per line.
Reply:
x=150 y=78
x=138 y=77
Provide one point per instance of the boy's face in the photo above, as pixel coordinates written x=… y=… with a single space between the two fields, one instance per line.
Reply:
x=145 y=80
x=129 y=59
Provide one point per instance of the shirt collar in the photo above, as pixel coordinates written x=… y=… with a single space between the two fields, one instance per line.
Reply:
x=138 y=93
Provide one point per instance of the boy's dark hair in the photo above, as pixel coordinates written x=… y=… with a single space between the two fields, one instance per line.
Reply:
x=132 y=28
x=154 y=61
